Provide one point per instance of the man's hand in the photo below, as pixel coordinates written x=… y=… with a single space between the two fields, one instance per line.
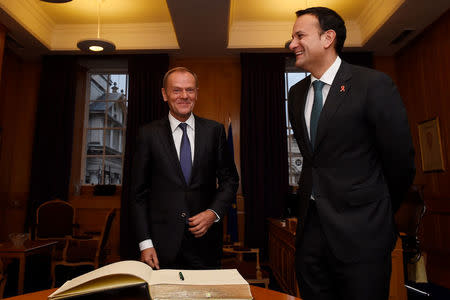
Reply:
x=200 y=223
x=150 y=258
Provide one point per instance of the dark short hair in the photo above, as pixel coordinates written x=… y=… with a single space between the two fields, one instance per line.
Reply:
x=179 y=69
x=328 y=19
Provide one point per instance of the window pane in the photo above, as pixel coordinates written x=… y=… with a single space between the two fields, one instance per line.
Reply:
x=287 y=114
x=113 y=95
x=113 y=170
x=116 y=115
x=295 y=159
x=293 y=145
x=93 y=174
x=293 y=78
x=113 y=142
x=94 y=142
x=119 y=83
x=96 y=114
x=98 y=86
x=295 y=167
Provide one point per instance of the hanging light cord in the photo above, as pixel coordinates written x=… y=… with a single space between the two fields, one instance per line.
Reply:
x=98 y=19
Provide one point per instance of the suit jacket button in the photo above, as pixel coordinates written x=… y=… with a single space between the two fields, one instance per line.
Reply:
x=183 y=215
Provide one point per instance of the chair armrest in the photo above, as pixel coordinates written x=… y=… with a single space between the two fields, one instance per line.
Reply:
x=82 y=237
x=84 y=249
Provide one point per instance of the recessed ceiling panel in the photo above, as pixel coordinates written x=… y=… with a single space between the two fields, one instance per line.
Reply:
x=268 y=23
x=130 y=24
x=111 y=11
x=284 y=10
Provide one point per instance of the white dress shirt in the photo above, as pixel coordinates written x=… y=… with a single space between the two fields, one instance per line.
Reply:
x=327 y=78
x=177 y=133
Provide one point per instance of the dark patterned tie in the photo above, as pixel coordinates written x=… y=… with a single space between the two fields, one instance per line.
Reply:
x=185 y=154
x=316 y=109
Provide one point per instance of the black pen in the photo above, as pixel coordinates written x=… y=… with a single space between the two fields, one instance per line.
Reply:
x=181 y=275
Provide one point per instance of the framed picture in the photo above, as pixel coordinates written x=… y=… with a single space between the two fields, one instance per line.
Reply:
x=430 y=145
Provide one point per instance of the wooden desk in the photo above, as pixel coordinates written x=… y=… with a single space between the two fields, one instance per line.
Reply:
x=282 y=258
x=282 y=255
x=257 y=292
x=7 y=250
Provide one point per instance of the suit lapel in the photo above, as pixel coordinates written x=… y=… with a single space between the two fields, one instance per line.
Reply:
x=302 y=113
x=200 y=133
x=171 y=151
x=337 y=94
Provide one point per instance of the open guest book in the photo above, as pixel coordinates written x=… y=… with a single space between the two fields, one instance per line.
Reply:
x=132 y=280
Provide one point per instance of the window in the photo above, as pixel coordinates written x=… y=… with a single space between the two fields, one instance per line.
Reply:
x=295 y=158
x=105 y=128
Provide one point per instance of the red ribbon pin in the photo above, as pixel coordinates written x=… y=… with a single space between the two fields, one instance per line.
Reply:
x=342 y=88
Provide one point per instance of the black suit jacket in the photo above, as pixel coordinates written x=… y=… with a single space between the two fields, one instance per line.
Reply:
x=363 y=162
x=162 y=201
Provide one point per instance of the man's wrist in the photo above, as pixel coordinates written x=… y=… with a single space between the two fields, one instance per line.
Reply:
x=217 y=216
x=145 y=244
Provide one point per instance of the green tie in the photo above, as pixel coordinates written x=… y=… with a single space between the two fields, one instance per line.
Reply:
x=316 y=109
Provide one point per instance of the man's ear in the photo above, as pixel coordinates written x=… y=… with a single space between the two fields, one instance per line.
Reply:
x=329 y=38
x=163 y=92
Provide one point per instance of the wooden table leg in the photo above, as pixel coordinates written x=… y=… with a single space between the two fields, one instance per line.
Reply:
x=21 y=282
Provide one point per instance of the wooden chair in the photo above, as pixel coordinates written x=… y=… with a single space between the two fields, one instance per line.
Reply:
x=85 y=251
x=55 y=222
x=54 y=219
x=408 y=219
x=250 y=269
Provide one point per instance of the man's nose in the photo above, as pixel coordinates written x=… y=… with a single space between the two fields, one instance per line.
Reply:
x=292 y=45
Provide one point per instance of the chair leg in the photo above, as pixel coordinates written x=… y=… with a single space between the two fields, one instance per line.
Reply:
x=53 y=274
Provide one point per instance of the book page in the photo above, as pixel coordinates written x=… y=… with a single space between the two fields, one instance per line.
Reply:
x=197 y=277
x=100 y=284
x=140 y=271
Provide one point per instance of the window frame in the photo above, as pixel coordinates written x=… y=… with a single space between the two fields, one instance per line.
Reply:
x=87 y=102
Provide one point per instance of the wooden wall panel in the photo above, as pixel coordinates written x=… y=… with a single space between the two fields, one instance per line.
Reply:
x=2 y=47
x=18 y=102
x=220 y=91
x=386 y=64
x=423 y=72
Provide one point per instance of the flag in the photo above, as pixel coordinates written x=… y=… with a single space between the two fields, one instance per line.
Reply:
x=232 y=226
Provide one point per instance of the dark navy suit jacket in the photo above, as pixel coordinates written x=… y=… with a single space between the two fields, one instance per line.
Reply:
x=162 y=201
x=363 y=162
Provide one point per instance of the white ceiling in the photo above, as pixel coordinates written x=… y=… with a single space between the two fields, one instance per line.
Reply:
x=205 y=27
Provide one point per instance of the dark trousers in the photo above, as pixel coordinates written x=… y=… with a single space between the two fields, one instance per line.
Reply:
x=194 y=255
x=321 y=276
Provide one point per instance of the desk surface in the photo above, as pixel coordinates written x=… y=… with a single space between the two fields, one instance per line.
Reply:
x=29 y=246
x=257 y=292
x=7 y=250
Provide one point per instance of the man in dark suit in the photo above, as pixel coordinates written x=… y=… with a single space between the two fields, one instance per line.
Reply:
x=352 y=130
x=184 y=180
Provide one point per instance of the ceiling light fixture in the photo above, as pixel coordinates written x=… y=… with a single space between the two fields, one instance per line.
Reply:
x=97 y=45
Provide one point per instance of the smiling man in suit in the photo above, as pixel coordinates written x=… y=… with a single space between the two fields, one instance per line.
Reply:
x=352 y=130
x=183 y=182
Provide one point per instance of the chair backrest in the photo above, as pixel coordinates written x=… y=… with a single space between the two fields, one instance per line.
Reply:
x=411 y=211
x=89 y=250
x=106 y=230
x=54 y=219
